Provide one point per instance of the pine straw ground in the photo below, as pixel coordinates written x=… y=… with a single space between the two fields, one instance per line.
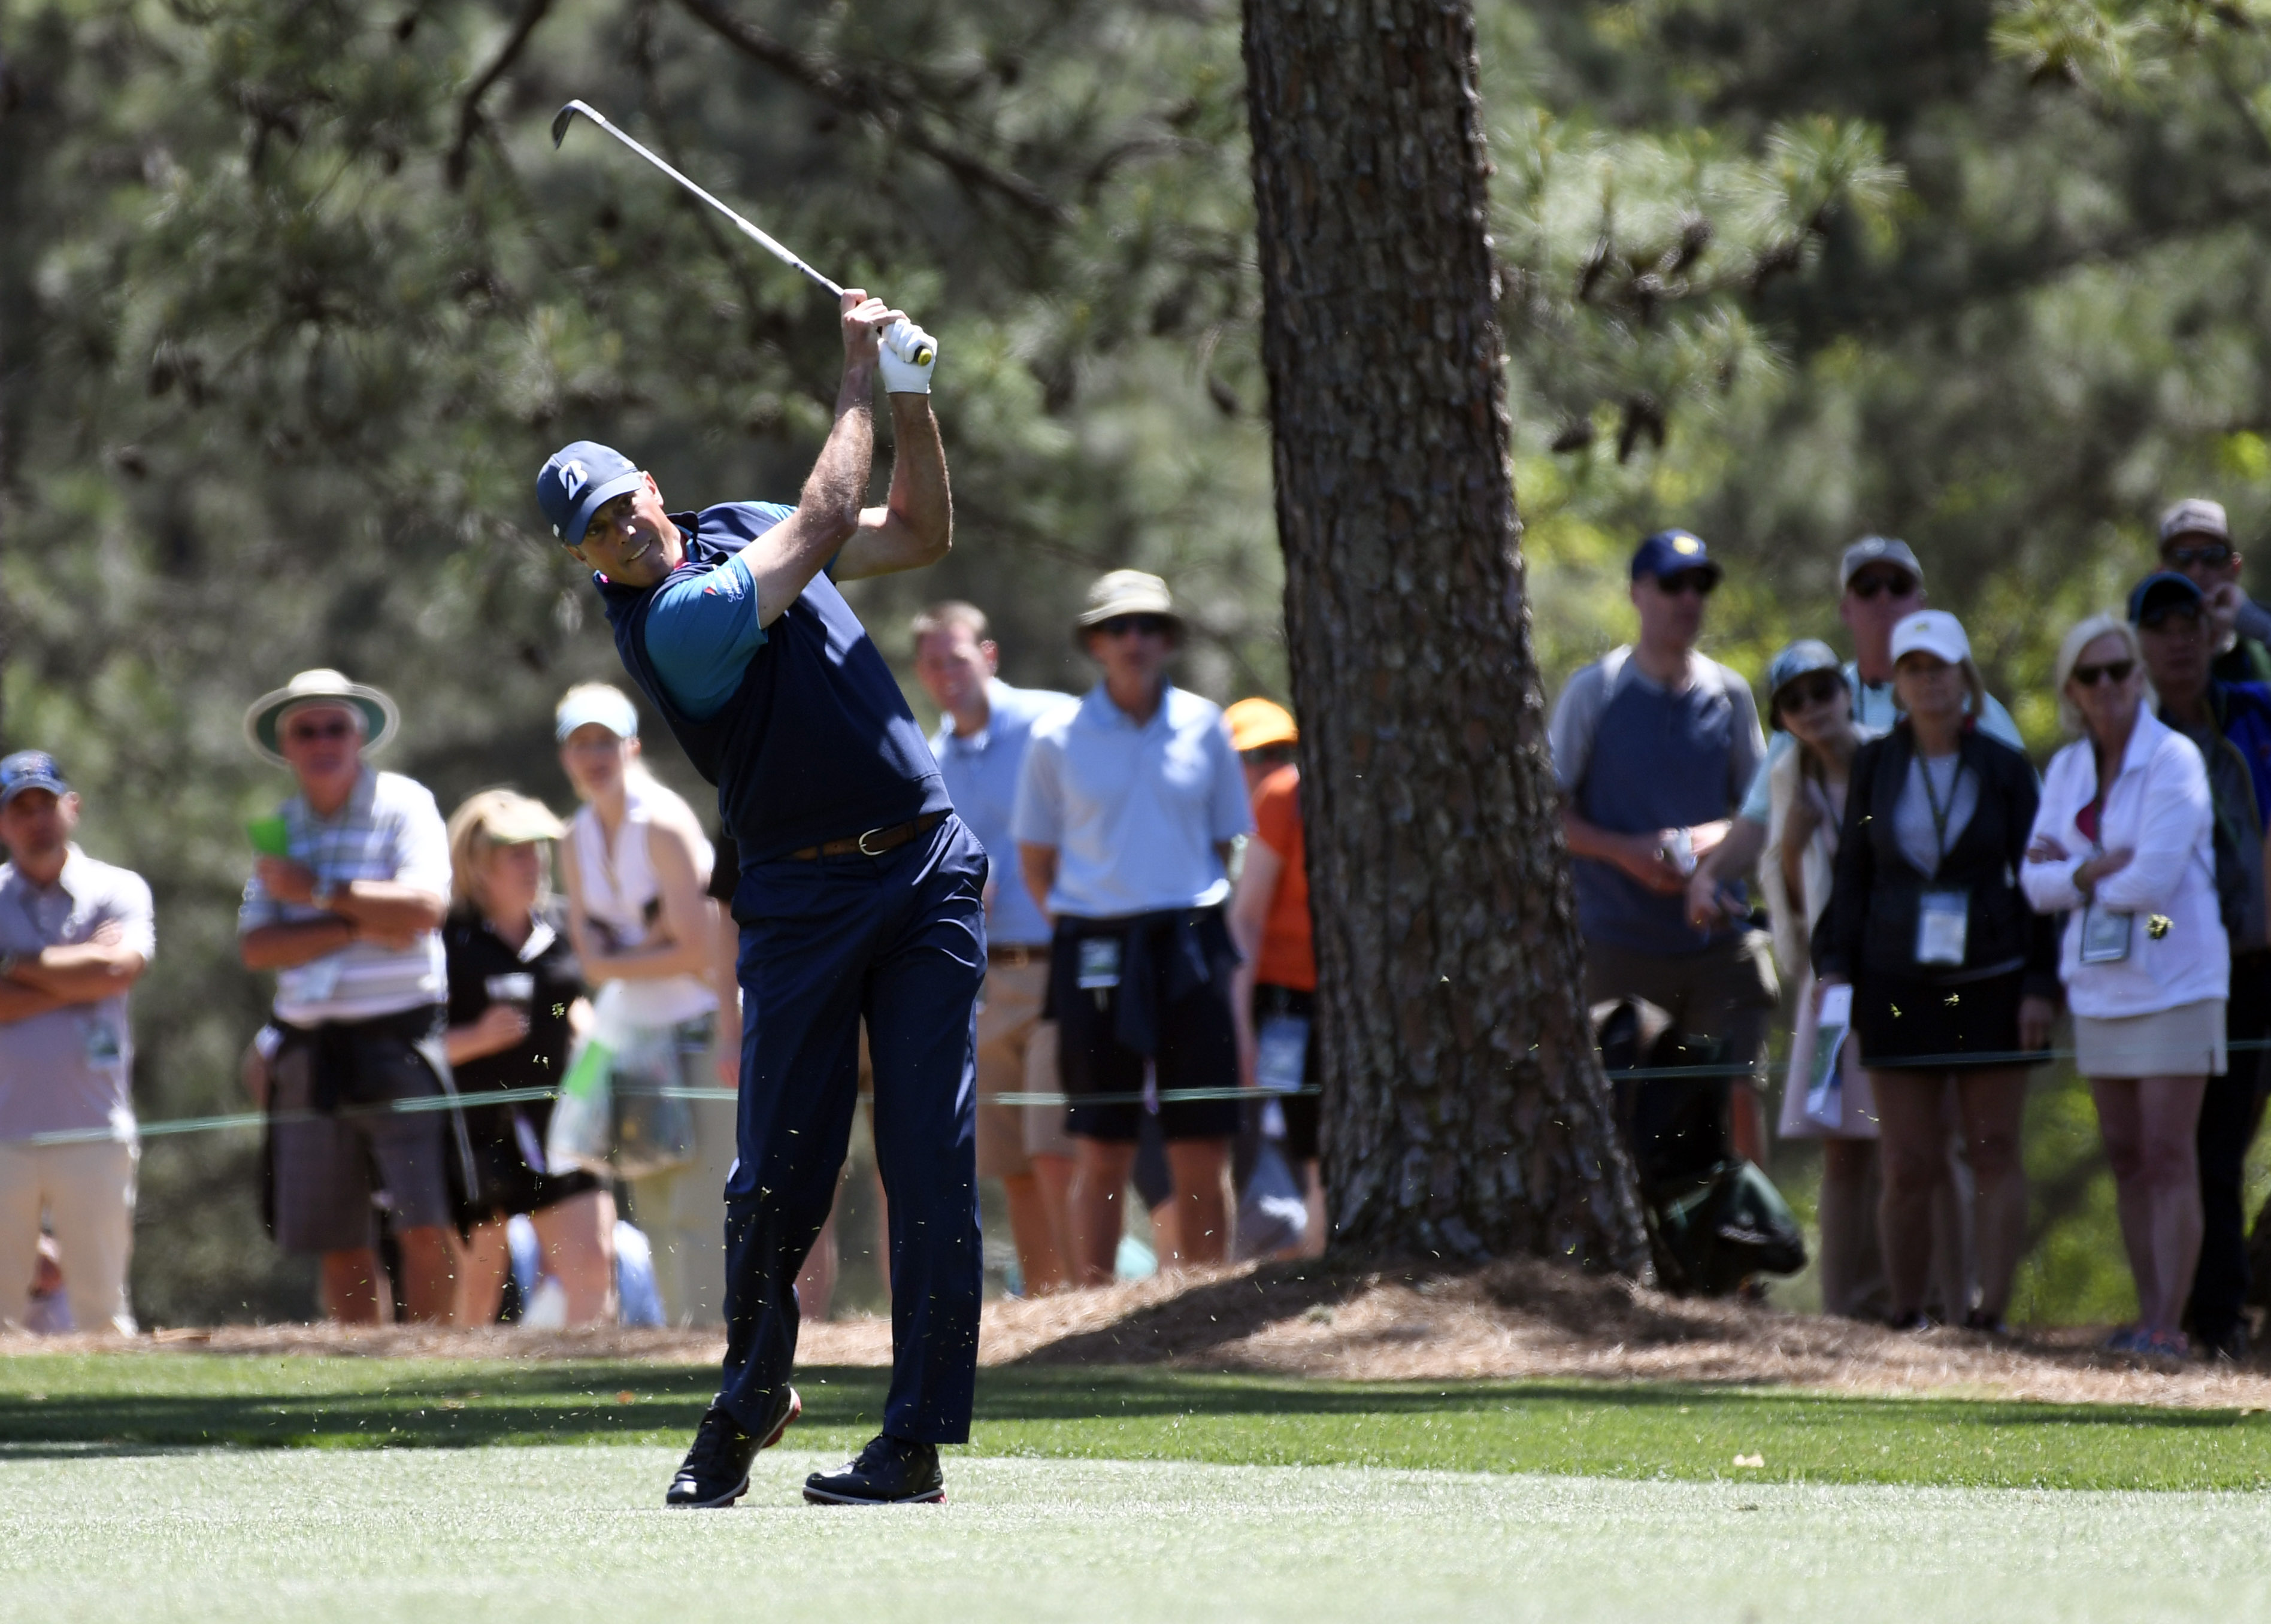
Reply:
x=1507 y=1319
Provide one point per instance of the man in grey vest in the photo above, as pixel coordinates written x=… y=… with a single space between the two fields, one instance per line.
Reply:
x=1653 y=746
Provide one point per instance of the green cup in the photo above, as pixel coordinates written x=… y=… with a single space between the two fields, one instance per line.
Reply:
x=270 y=836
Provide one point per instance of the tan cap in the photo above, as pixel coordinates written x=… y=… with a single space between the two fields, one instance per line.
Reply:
x=507 y=817
x=1257 y=724
x=1126 y=592
x=2195 y=516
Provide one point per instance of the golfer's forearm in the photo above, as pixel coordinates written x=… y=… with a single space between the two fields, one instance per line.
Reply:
x=282 y=947
x=920 y=498
x=837 y=484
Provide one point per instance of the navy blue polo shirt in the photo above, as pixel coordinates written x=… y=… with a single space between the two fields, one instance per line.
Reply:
x=800 y=725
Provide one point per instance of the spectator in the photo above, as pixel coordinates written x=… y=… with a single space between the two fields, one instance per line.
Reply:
x=637 y=869
x=2230 y=724
x=1653 y=746
x=75 y=936
x=1277 y=979
x=2196 y=543
x=1810 y=700
x=980 y=747
x=1882 y=585
x=1126 y=810
x=515 y=991
x=2124 y=847
x=347 y=912
x=1951 y=972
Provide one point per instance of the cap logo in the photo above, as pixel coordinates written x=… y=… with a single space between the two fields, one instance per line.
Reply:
x=573 y=477
x=1686 y=544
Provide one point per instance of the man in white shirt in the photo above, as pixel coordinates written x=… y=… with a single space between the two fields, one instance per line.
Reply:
x=75 y=934
x=1126 y=810
x=344 y=904
x=984 y=727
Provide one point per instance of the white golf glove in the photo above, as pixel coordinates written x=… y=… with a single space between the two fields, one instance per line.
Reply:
x=903 y=375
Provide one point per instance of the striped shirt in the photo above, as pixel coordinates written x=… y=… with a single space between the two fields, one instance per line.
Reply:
x=390 y=828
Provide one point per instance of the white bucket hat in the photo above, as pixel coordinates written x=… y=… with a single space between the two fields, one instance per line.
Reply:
x=322 y=686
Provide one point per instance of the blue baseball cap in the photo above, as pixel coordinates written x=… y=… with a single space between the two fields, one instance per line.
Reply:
x=577 y=479
x=2159 y=592
x=30 y=770
x=1802 y=658
x=1672 y=552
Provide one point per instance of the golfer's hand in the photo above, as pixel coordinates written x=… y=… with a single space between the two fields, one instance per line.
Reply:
x=864 y=321
x=2035 y=1017
x=287 y=881
x=903 y=374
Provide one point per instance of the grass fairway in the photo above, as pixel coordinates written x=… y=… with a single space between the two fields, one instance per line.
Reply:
x=156 y=1487
x=1147 y=1414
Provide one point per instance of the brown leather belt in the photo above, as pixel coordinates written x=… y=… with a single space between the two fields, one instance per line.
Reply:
x=1016 y=958
x=875 y=843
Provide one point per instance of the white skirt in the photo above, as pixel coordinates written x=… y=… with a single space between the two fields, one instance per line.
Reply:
x=2186 y=1041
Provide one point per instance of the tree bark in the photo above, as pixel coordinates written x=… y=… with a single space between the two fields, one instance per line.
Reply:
x=1466 y=1113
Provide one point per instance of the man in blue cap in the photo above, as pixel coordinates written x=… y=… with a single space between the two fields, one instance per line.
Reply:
x=861 y=898
x=2179 y=633
x=1653 y=746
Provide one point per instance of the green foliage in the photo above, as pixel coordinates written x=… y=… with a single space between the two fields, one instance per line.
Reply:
x=295 y=297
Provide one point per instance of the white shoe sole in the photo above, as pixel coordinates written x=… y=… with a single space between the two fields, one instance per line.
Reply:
x=825 y=1497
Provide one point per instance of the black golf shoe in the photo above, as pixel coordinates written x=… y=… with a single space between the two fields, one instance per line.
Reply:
x=716 y=1471
x=890 y=1471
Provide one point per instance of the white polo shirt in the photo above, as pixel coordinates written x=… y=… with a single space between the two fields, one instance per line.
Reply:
x=1134 y=812
x=390 y=828
x=71 y=1069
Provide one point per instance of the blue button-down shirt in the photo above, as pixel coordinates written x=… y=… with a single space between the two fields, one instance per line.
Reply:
x=1136 y=812
x=981 y=770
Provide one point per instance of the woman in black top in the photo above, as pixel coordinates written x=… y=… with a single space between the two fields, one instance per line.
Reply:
x=515 y=994
x=1946 y=959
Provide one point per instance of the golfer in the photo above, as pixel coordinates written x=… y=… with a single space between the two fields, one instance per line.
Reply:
x=860 y=896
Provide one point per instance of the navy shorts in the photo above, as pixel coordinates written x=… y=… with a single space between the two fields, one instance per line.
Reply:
x=1179 y=972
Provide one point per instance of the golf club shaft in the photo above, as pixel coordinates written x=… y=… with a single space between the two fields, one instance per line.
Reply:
x=560 y=128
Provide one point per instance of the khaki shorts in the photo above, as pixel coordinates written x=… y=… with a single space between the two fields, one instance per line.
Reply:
x=1016 y=1054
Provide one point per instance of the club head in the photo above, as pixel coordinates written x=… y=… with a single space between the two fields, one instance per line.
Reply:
x=564 y=117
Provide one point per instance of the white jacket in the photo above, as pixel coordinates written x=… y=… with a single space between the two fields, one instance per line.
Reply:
x=2159 y=808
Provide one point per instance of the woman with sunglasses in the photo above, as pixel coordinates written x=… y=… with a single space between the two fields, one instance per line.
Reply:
x=1795 y=851
x=1953 y=975
x=2125 y=848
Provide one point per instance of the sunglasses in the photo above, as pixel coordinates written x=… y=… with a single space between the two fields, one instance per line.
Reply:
x=311 y=732
x=1803 y=693
x=1702 y=583
x=1869 y=588
x=2215 y=556
x=1141 y=625
x=2115 y=671
x=2154 y=620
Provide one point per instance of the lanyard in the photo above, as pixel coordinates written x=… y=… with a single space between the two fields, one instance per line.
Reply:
x=1940 y=815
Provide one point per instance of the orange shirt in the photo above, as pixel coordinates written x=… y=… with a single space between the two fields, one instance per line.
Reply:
x=1289 y=956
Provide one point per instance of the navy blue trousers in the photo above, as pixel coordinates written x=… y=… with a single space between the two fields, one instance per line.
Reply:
x=899 y=942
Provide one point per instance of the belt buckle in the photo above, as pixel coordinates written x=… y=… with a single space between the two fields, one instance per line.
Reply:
x=862 y=842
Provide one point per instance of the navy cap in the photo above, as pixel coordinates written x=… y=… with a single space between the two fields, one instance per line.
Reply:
x=2159 y=592
x=1802 y=658
x=577 y=479
x=1672 y=552
x=29 y=770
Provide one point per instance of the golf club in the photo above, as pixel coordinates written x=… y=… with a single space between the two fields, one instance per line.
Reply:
x=898 y=335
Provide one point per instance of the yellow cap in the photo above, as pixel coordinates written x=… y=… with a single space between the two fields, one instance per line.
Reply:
x=1256 y=724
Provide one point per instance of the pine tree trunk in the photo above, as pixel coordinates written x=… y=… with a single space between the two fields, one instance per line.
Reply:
x=1466 y=1114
